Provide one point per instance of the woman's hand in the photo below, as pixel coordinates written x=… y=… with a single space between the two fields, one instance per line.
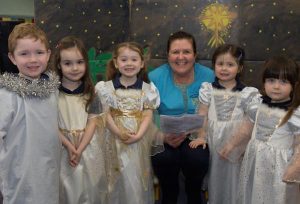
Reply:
x=198 y=142
x=174 y=140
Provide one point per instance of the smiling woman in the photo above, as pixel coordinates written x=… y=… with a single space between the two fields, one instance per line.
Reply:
x=178 y=83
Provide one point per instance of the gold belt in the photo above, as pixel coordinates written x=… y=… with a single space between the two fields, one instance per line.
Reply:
x=74 y=133
x=125 y=113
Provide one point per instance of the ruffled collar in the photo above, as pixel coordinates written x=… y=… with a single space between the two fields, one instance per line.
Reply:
x=36 y=88
x=238 y=87
x=282 y=105
x=117 y=84
x=78 y=90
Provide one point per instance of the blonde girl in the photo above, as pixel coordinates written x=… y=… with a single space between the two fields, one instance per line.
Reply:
x=130 y=100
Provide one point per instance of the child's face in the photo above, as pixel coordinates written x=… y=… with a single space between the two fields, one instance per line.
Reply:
x=278 y=90
x=128 y=62
x=31 y=57
x=226 y=68
x=72 y=65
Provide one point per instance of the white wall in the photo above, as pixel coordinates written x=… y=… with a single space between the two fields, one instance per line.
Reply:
x=16 y=8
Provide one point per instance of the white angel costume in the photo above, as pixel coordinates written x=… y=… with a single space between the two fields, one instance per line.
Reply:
x=225 y=113
x=272 y=155
x=85 y=183
x=29 y=142
x=128 y=166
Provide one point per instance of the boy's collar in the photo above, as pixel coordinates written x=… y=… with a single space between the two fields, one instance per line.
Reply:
x=26 y=88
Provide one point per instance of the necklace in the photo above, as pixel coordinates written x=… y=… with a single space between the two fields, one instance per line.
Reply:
x=183 y=80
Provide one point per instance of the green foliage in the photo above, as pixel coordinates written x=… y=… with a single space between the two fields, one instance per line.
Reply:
x=98 y=64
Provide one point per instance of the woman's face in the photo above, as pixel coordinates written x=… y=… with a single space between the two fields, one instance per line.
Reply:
x=181 y=57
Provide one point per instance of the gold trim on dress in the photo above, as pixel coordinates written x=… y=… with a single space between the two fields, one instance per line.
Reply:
x=126 y=113
x=74 y=136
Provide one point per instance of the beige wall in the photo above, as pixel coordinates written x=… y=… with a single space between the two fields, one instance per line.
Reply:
x=16 y=8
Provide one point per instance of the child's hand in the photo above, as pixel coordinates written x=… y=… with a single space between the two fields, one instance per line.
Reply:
x=227 y=149
x=77 y=156
x=124 y=136
x=132 y=139
x=291 y=174
x=198 y=142
x=72 y=155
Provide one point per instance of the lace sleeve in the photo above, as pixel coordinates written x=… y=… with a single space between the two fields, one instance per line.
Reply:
x=205 y=93
x=251 y=107
x=292 y=172
x=151 y=99
x=96 y=106
x=105 y=93
x=235 y=147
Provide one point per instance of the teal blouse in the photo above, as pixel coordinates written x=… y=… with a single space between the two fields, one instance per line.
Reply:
x=179 y=99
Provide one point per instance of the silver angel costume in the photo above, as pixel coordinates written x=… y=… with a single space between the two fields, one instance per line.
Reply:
x=225 y=112
x=270 y=155
x=85 y=183
x=128 y=166
x=29 y=142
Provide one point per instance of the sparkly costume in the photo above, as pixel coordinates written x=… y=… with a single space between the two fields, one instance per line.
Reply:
x=85 y=183
x=271 y=151
x=128 y=166
x=29 y=142
x=226 y=110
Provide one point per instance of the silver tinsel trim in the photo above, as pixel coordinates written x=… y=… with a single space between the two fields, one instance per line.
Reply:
x=26 y=88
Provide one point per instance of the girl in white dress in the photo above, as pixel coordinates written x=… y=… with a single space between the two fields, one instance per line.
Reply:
x=222 y=104
x=129 y=101
x=270 y=167
x=82 y=165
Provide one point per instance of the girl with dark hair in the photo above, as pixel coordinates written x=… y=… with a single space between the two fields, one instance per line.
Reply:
x=223 y=104
x=270 y=169
x=82 y=165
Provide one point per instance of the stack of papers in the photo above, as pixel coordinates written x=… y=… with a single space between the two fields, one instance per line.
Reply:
x=186 y=123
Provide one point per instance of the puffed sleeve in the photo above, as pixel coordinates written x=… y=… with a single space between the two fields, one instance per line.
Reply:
x=205 y=93
x=247 y=95
x=292 y=172
x=105 y=90
x=251 y=105
x=151 y=100
x=294 y=122
x=96 y=106
x=7 y=103
x=151 y=97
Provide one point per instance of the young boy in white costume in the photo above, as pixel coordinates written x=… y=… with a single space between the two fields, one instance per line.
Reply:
x=29 y=142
